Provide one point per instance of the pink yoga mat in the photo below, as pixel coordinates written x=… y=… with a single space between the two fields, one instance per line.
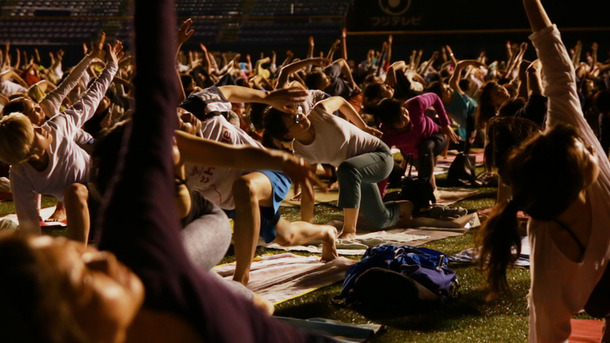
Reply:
x=585 y=331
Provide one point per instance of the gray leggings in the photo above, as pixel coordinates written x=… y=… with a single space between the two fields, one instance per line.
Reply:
x=206 y=235
x=358 y=177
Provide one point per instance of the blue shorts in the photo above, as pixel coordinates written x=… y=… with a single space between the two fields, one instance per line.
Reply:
x=280 y=185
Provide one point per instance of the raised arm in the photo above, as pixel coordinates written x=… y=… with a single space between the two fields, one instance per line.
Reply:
x=389 y=52
x=52 y=102
x=418 y=105
x=17 y=60
x=452 y=57
x=311 y=47
x=536 y=15
x=454 y=81
x=333 y=49
x=283 y=99
x=85 y=108
x=558 y=72
x=6 y=56
x=184 y=33
x=344 y=44
x=346 y=71
x=288 y=70
x=594 y=47
x=11 y=74
x=577 y=53
x=337 y=103
x=398 y=66
x=196 y=150
x=426 y=66
x=510 y=71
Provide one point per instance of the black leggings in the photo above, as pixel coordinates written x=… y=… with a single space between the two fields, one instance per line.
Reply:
x=429 y=148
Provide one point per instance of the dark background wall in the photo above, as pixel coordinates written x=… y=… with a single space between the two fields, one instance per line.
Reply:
x=470 y=26
x=255 y=26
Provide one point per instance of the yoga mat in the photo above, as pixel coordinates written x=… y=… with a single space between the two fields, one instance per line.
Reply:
x=11 y=222
x=469 y=256
x=367 y=238
x=358 y=245
x=320 y=197
x=285 y=276
x=585 y=331
x=341 y=332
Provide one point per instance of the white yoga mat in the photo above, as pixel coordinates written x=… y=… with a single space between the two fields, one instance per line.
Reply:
x=10 y=221
x=411 y=236
x=285 y=276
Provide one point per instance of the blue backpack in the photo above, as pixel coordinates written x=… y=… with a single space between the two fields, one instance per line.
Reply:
x=399 y=276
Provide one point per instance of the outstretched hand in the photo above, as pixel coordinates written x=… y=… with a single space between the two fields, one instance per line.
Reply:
x=448 y=132
x=97 y=50
x=523 y=46
x=114 y=52
x=184 y=31
x=286 y=99
x=534 y=67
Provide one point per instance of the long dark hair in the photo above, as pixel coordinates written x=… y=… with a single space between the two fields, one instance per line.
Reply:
x=388 y=111
x=274 y=136
x=545 y=179
x=486 y=108
x=503 y=135
x=274 y=124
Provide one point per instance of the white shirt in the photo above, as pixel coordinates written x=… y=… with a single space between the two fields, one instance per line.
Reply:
x=216 y=184
x=68 y=163
x=560 y=287
x=336 y=140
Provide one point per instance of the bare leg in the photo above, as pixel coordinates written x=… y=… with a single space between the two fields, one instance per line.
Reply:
x=296 y=233
x=77 y=212
x=250 y=192
x=350 y=220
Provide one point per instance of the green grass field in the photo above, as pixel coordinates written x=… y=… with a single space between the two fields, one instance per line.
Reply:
x=470 y=318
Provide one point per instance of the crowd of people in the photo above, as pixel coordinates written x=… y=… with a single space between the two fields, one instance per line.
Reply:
x=150 y=152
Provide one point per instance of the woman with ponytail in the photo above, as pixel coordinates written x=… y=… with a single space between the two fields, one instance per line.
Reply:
x=559 y=181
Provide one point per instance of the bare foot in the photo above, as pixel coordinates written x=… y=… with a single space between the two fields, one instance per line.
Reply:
x=296 y=197
x=406 y=213
x=347 y=235
x=263 y=304
x=329 y=245
x=59 y=214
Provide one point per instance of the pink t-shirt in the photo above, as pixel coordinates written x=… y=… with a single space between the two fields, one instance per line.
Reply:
x=422 y=126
